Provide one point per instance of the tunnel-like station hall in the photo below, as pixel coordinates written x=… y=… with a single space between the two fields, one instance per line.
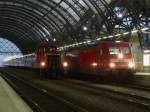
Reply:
x=74 y=55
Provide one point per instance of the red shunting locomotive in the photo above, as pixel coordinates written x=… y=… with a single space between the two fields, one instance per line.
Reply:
x=48 y=58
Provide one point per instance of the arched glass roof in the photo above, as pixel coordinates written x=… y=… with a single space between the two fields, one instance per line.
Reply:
x=27 y=23
x=7 y=49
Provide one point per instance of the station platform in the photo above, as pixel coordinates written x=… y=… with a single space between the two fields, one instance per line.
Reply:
x=10 y=101
x=142 y=73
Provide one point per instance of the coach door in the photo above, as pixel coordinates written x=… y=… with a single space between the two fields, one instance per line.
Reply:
x=53 y=62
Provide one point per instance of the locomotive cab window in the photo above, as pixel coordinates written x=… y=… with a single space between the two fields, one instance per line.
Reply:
x=125 y=50
x=114 y=50
x=118 y=50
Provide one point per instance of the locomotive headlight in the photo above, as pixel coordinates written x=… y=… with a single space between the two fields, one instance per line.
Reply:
x=65 y=64
x=43 y=64
x=94 y=64
x=112 y=65
x=131 y=65
x=120 y=56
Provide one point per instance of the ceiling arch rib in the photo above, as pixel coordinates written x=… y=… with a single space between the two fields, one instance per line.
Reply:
x=30 y=22
x=30 y=28
x=26 y=10
x=59 y=14
x=77 y=7
x=4 y=31
x=19 y=16
x=4 y=34
x=48 y=21
x=62 y=8
x=12 y=32
x=16 y=21
x=57 y=8
x=45 y=14
x=36 y=19
x=90 y=5
x=14 y=29
x=25 y=19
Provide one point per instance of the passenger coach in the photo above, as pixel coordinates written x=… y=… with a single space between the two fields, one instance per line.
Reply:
x=46 y=59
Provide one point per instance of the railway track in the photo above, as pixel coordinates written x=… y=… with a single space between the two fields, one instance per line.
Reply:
x=39 y=99
x=128 y=98
x=132 y=98
x=127 y=85
x=135 y=86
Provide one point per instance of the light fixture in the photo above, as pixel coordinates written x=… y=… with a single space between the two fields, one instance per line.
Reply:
x=98 y=39
x=118 y=35
x=54 y=39
x=143 y=29
x=85 y=28
x=126 y=33
x=120 y=15
x=47 y=39
x=110 y=36
x=134 y=31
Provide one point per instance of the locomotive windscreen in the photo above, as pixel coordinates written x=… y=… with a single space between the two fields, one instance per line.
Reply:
x=118 y=50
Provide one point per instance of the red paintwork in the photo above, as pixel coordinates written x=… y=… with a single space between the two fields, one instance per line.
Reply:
x=42 y=54
x=86 y=57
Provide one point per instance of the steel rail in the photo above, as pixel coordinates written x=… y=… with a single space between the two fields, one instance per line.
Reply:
x=71 y=105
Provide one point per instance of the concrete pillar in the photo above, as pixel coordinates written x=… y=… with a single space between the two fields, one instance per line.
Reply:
x=137 y=50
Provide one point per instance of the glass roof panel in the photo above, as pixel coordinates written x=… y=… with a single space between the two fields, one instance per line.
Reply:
x=90 y=5
x=62 y=19
x=65 y=15
x=65 y=6
x=57 y=1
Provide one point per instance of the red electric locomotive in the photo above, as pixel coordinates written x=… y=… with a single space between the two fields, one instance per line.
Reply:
x=106 y=57
x=48 y=59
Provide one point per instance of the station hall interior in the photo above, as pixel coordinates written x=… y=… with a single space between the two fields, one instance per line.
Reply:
x=73 y=23
x=74 y=55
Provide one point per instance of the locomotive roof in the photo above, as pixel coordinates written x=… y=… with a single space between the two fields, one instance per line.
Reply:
x=113 y=43
x=97 y=44
x=46 y=45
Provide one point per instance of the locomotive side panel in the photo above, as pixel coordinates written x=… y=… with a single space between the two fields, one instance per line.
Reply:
x=106 y=57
